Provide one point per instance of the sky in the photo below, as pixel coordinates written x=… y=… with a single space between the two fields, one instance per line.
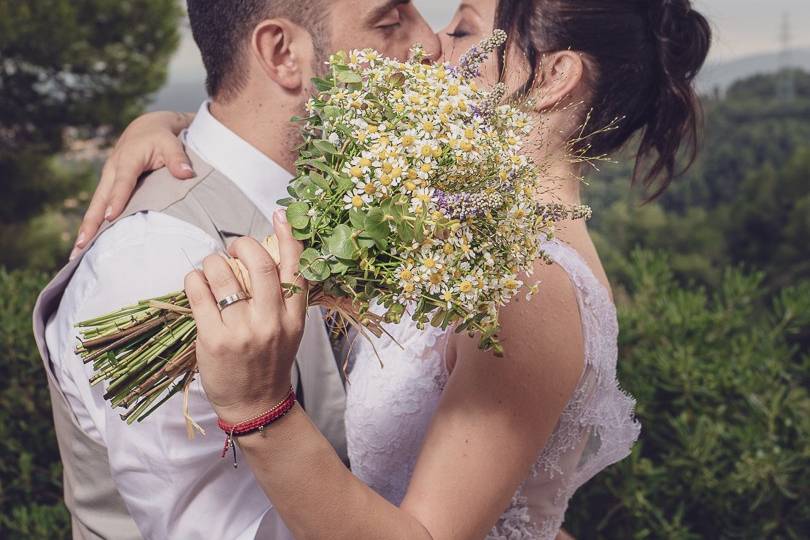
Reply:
x=742 y=28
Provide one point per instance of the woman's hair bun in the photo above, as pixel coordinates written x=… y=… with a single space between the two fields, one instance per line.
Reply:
x=683 y=37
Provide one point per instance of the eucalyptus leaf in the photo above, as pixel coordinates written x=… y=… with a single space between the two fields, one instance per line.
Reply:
x=317 y=271
x=298 y=215
x=340 y=243
x=357 y=218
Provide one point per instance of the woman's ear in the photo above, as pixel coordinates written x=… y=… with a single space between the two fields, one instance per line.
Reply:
x=559 y=78
x=283 y=51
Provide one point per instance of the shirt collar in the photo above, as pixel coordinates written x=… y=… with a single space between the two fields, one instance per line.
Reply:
x=261 y=179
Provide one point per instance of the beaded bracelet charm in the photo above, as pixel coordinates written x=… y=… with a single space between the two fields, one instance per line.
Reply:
x=255 y=424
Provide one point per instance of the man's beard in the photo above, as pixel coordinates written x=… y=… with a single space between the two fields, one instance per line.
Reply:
x=293 y=129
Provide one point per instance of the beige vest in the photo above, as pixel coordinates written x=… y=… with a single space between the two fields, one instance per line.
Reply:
x=217 y=206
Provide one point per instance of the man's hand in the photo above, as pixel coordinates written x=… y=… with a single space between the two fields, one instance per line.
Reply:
x=246 y=351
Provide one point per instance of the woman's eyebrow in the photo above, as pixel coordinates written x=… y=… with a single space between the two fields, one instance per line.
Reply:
x=465 y=5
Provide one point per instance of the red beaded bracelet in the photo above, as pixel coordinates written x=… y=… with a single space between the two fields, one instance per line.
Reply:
x=256 y=424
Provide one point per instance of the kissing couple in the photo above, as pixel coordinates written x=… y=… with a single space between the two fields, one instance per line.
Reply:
x=446 y=441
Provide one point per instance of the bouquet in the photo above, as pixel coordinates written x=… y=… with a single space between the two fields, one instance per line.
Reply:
x=411 y=194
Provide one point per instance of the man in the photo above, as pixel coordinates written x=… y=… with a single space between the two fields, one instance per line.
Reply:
x=147 y=479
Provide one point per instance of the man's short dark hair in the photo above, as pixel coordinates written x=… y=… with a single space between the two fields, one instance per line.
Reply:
x=222 y=30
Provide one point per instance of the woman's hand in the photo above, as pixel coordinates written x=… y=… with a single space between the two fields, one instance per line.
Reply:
x=149 y=143
x=245 y=352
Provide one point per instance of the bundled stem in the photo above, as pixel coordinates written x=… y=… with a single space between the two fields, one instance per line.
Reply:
x=146 y=353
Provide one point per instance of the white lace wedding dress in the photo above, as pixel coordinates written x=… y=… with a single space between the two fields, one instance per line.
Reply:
x=389 y=410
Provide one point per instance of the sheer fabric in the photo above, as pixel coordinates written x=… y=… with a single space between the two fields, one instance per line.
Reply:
x=390 y=407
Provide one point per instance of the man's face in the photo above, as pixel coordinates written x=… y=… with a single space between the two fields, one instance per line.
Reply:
x=390 y=26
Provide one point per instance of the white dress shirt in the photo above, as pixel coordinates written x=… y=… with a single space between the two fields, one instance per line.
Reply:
x=173 y=488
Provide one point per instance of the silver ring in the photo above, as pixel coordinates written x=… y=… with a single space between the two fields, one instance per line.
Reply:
x=233 y=299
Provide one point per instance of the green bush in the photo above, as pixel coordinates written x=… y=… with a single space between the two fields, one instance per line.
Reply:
x=721 y=378
x=30 y=473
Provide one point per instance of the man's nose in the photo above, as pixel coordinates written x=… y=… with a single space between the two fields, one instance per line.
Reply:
x=430 y=41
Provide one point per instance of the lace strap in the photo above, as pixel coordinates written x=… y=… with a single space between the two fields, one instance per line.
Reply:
x=583 y=278
x=599 y=323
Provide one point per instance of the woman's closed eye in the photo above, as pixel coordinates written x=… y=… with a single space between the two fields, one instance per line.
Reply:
x=458 y=34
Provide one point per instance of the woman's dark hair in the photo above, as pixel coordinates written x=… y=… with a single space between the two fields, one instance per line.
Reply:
x=646 y=54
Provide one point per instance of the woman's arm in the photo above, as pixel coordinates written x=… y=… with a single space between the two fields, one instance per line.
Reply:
x=495 y=417
x=149 y=143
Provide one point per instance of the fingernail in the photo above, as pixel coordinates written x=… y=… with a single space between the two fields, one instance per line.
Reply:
x=281 y=215
x=74 y=253
x=186 y=167
x=108 y=213
x=80 y=240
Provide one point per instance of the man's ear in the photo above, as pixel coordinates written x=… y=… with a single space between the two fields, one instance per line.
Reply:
x=559 y=79
x=282 y=50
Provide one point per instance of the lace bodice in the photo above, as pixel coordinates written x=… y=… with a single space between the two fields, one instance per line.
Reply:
x=389 y=409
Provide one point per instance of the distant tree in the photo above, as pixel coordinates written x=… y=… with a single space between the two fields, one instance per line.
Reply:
x=745 y=201
x=769 y=222
x=77 y=64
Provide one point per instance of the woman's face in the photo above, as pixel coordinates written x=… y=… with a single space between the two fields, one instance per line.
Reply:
x=473 y=22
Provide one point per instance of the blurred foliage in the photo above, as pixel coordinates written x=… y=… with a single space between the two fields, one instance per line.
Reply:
x=30 y=473
x=87 y=65
x=721 y=378
x=744 y=202
x=70 y=71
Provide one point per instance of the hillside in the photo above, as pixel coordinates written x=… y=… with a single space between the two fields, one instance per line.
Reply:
x=723 y=74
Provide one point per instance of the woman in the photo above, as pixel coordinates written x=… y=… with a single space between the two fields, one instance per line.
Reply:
x=446 y=437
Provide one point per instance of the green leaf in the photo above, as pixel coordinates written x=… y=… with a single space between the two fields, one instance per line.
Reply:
x=349 y=77
x=331 y=112
x=287 y=201
x=313 y=266
x=340 y=243
x=357 y=219
x=366 y=243
x=344 y=184
x=375 y=227
x=302 y=234
x=326 y=147
x=321 y=166
x=338 y=266
x=322 y=84
x=319 y=180
x=298 y=215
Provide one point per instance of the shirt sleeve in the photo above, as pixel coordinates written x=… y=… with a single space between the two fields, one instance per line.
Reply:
x=173 y=487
